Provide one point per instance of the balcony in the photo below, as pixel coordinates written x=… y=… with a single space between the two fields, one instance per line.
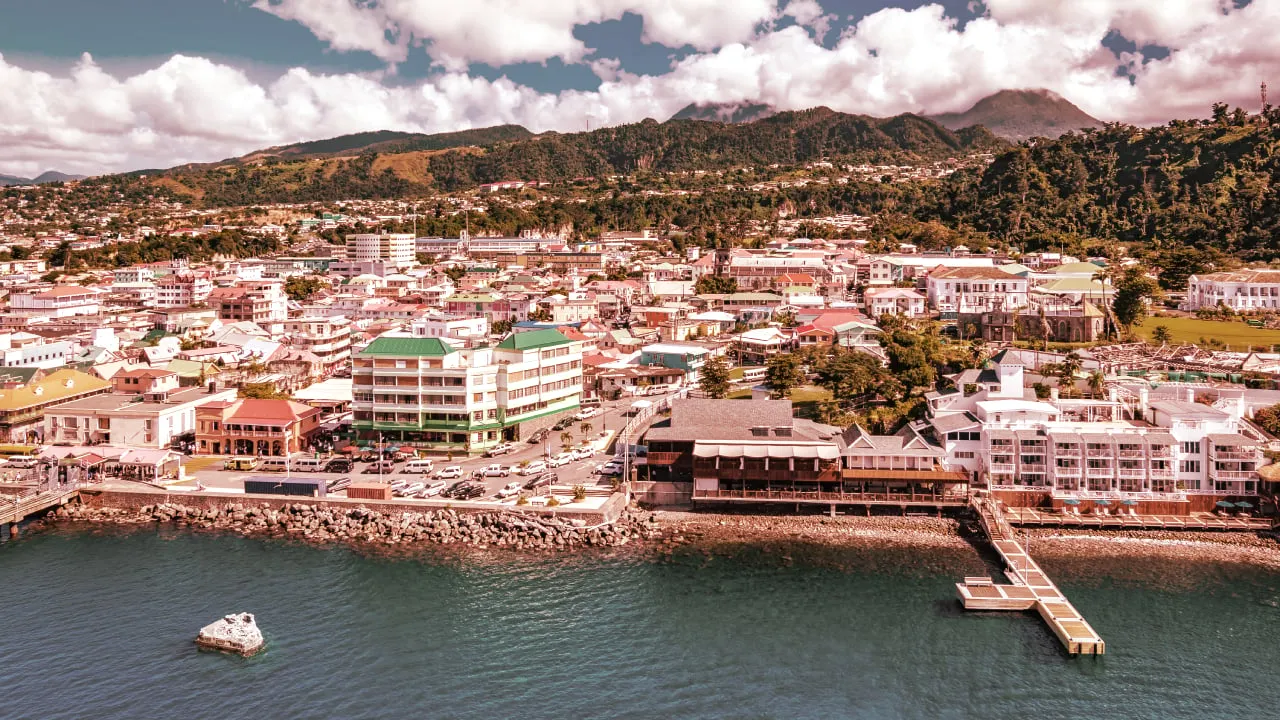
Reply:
x=1232 y=454
x=1106 y=451
x=1001 y=468
x=1131 y=452
x=1099 y=472
x=1068 y=472
x=1066 y=451
x=1216 y=474
x=1033 y=468
x=1132 y=473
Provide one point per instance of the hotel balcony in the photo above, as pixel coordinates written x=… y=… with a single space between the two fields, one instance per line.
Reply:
x=1001 y=468
x=1107 y=451
x=1033 y=468
x=1216 y=474
x=1068 y=472
x=1066 y=451
x=1099 y=472
x=1132 y=473
x=1232 y=453
x=1160 y=451
x=1163 y=474
x=1132 y=452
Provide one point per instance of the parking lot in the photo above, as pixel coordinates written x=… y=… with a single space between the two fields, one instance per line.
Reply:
x=578 y=472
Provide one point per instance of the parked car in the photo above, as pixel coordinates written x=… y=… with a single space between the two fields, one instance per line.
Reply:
x=450 y=472
x=583 y=452
x=563 y=424
x=339 y=484
x=511 y=488
x=500 y=449
x=402 y=455
x=338 y=465
x=497 y=470
x=381 y=466
x=613 y=467
x=533 y=467
x=399 y=485
x=545 y=479
x=410 y=490
x=433 y=488
x=586 y=413
x=559 y=459
x=455 y=489
x=368 y=457
x=475 y=491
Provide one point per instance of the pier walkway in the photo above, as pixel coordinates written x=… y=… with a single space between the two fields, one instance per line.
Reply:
x=16 y=508
x=1029 y=587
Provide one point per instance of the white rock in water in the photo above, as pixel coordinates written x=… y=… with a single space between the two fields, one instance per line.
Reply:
x=233 y=633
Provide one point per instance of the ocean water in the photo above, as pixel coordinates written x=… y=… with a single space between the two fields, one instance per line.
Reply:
x=100 y=625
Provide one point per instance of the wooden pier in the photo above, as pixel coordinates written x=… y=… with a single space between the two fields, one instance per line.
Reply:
x=1029 y=588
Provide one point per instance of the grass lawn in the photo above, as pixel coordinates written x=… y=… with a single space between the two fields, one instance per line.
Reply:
x=1236 y=335
x=804 y=399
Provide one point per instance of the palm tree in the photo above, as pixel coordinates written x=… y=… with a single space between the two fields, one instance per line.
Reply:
x=566 y=439
x=1097 y=383
x=585 y=428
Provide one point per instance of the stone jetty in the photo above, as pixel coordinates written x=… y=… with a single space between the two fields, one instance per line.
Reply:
x=234 y=634
x=499 y=528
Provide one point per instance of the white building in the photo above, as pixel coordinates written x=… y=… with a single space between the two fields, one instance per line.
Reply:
x=182 y=289
x=59 y=301
x=967 y=290
x=451 y=327
x=326 y=337
x=397 y=250
x=1240 y=290
x=146 y=410
x=894 y=301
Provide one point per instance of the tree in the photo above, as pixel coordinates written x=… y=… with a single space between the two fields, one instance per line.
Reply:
x=566 y=439
x=501 y=327
x=782 y=374
x=715 y=285
x=1268 y=418
x=713 y=378
x=1097 y=383
x=1161 y=334
x=914 y=356
x=262 y=391
x=299 y=288
x=787 y=319
x=455 y=273
x=586 y=429
x=1133 y=291
x=848 y=374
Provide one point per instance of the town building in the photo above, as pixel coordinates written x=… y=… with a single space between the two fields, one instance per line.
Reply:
x=397 y=250
x=965 y=290
x=894 y=301
x=422 y=391
x=146 y=409
x=23 y=406
x=1240 y=290
x=56 y=302
x=328 y=338
x=182 y=289
x=250 y=426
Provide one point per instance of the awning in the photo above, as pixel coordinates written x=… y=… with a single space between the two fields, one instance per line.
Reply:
x=1161 y=438
x=756 y=451
x=1231 y=440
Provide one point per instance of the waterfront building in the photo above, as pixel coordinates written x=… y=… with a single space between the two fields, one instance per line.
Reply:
x=146 y=409
x=250 y=426
x=22 y=408
x=424 y=392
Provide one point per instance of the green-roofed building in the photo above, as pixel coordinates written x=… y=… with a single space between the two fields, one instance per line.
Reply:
x=423 y=392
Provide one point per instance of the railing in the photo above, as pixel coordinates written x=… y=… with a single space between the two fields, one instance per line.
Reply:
x=1118 y=496
x=818 y=496
x=1132 y=452
x=1001 y=468
x=1233 y=454
x=1132 y=473
x=1100 y=452
x=1232 y=474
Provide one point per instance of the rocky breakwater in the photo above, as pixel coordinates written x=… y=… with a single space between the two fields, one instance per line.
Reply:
x=510 y=529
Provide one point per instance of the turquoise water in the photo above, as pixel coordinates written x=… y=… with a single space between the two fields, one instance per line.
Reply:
x=101 y=626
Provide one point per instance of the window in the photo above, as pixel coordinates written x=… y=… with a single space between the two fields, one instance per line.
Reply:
x=964 y=455
x=1191 y=447
x=1189 y=466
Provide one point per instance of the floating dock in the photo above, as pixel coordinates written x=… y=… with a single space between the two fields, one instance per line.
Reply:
x=1029 y=588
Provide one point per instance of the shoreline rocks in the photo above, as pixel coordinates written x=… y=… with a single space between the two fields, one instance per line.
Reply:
x=311 y=523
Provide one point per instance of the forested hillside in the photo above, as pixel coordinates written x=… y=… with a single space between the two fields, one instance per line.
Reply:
x=1206 y=184
x=389 y=165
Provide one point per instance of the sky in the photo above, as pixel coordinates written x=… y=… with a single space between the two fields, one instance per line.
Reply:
x=92 y=86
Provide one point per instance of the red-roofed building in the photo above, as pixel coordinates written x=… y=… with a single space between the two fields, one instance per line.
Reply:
x=249 y=426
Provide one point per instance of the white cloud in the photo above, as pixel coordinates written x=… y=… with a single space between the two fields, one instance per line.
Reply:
x=501 y=32
x=191 y=109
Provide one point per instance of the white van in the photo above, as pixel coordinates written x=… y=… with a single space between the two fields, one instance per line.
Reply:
x=274 y=464
x=310 y=464
x=418 y=467
x=21 y=461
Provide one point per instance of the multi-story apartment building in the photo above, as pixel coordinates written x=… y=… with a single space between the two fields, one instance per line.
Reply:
x=1237 y=289
x=399 y=250
x=328 y=338
x=1186 y=456
x=55 y=302
x=261 y=302
x=421 y=391
x=976 y=290
x=182 y=289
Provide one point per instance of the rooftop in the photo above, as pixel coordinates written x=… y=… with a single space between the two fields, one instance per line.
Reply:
x=533 y=340
x=407 y=347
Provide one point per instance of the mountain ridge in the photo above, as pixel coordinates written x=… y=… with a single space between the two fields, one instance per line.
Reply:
x=1018 y=115
x=47 y=176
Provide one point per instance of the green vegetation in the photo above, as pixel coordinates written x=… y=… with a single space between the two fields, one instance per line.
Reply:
x=300 y=288
x=715 y=285
x=783 y=373
x=262 y=391
x=713 y=378
x=1234 y=335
